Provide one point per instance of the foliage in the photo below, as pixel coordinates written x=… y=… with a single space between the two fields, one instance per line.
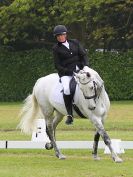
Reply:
x=111 y=24
x=5 y=2
x=27 y=20
x=117 y=72
x=20 y=21
x=20 y=70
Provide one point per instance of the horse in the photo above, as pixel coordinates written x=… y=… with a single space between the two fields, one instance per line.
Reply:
x=90 y=97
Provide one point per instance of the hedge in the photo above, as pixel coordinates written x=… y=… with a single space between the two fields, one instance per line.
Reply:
x=117 y=73
x=20 y=70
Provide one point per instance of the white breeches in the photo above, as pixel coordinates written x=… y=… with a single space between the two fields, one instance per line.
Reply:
x=65 y=80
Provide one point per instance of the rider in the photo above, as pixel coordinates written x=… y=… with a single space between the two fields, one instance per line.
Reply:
x=69 y=57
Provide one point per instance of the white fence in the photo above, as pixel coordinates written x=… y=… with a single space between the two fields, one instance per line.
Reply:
x=61 y=144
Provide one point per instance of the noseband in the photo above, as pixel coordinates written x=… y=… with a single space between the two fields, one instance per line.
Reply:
x=93 y=96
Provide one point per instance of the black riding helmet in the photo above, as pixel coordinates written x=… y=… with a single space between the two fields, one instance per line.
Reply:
x=59 y=29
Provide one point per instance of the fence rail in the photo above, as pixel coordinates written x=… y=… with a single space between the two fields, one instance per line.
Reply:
x=61 y=144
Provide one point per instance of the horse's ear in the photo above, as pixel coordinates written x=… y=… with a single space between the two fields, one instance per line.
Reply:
x=76 y=74
x=88 y=74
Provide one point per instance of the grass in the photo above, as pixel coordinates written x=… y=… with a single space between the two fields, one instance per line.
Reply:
x=79 y=163
x=38 y=163
x=119 y=124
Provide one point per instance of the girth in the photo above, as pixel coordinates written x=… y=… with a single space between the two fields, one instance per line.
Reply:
x=73 y=84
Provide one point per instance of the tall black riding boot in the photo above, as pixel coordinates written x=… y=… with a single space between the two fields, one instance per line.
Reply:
x=68 y=105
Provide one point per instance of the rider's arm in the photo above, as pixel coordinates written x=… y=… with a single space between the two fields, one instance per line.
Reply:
x=83 y=54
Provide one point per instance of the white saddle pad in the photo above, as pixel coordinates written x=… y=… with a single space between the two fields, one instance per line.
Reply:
x=57 y=95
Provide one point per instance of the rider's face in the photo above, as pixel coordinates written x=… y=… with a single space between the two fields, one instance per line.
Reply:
x=61 y=37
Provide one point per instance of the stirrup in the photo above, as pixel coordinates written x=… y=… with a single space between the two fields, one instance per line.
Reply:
x=69 y=120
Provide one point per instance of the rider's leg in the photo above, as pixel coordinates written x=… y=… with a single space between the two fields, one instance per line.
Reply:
x=68 y=104
x=65 y=80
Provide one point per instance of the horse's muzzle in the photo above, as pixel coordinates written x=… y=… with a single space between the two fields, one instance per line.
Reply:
x=92 y=108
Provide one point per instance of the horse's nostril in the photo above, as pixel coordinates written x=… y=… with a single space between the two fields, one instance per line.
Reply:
x=92 y=108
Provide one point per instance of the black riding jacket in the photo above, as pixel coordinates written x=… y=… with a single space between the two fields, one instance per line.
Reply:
x=66 y=59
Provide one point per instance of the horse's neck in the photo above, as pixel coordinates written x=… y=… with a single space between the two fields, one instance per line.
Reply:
x=103 y=99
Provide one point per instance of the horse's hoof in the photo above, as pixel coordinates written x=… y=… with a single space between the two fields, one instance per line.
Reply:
x=96 y=158
x=48 y=146
x=62 y=157
x=118 y=160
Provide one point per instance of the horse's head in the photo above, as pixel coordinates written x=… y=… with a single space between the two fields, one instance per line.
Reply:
x=88 y=87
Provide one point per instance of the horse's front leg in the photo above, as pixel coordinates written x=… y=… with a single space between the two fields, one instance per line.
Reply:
x=107 y=141
x=50 y=132
x=95 y=146
x=100 y=128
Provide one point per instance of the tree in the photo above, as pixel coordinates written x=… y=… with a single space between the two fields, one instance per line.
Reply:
x=111 y=24
x=5 y=2
x=95 y=23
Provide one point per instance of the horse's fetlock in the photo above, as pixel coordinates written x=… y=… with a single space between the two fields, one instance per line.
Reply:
x=107 y=141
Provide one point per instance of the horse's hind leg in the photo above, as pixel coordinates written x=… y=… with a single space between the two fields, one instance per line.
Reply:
x=50 y=131
x=95 y=146
x=57 y=119
x=48 y=114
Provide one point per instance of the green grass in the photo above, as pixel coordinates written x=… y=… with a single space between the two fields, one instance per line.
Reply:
x=9 y=115
x=119 y=124
x=79 y=163
x=42 y=163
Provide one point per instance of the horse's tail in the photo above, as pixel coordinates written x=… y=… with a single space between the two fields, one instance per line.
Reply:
x=28 y=114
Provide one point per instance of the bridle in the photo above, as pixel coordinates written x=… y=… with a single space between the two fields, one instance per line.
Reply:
x=95 y=90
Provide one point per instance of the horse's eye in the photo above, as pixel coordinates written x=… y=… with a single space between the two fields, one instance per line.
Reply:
x=91 y=88
x=88 y=74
